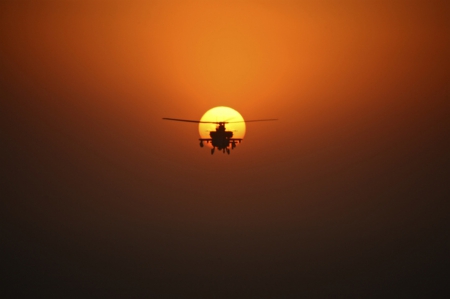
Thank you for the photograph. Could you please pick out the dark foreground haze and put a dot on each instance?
(345, 196)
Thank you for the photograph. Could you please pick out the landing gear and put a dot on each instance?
(212, 150)
(228, 151)
(201, 143)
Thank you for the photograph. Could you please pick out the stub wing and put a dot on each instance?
(231, 142)
(207, 140)
(236, 139)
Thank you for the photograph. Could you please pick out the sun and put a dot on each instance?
(222, 113)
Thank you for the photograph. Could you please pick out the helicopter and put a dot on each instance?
(220, 138)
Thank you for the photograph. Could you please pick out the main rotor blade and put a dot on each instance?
(191, 121)
(253, 120)
(217, 122)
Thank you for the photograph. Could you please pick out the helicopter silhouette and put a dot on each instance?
(220, 138)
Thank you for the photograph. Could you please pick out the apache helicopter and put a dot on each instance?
(221, 138)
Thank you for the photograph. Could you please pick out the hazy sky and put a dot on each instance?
(345, 196)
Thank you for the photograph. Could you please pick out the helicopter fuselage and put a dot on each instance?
(221, 139)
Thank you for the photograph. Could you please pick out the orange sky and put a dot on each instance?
(309, 63)
(360, 88)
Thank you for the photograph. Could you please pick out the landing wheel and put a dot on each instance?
(228, 151)
(212, 151)
(201, 143)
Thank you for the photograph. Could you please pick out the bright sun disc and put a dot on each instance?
(225, 114)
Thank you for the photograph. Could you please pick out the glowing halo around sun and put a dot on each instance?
(222, 113)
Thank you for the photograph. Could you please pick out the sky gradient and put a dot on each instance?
(346, 195)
